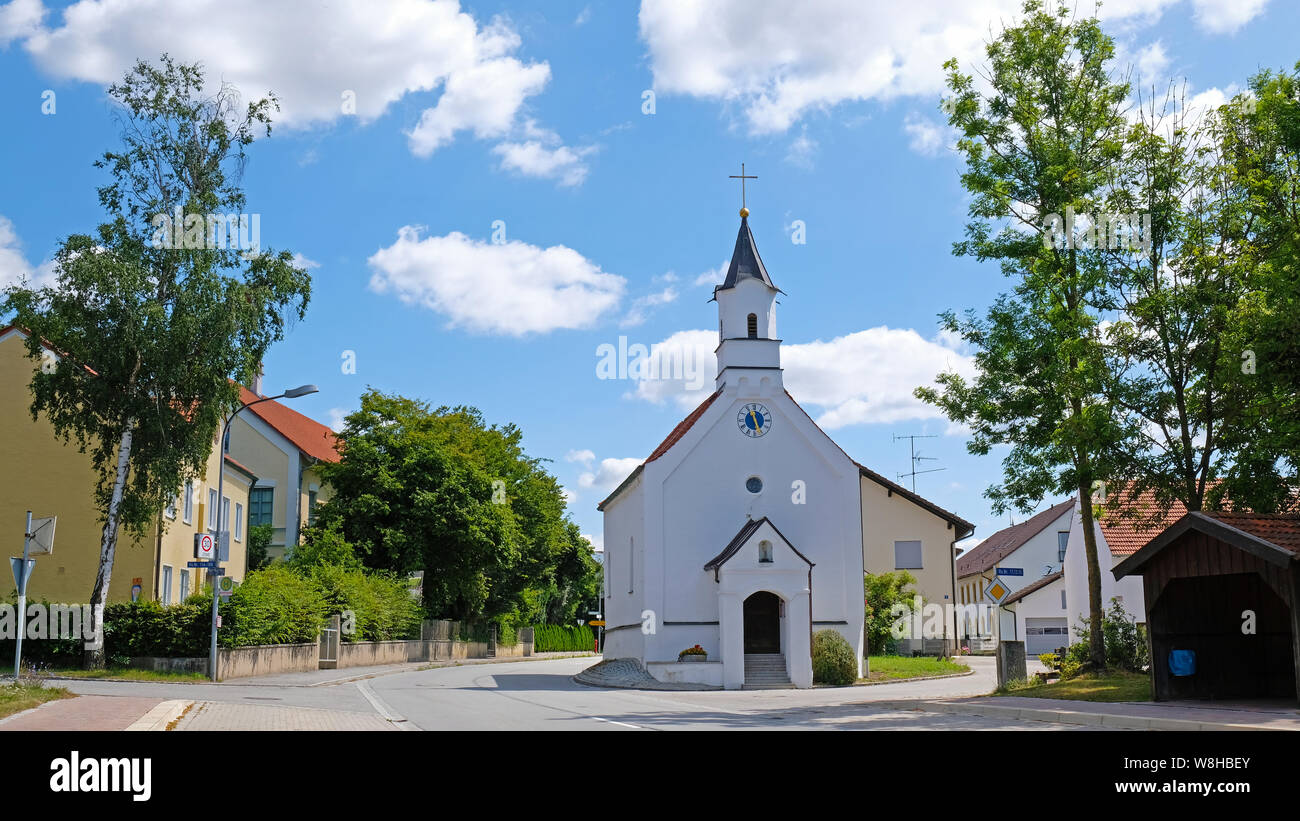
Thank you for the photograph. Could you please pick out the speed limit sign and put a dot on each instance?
(204, 546)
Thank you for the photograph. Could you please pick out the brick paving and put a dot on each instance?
(214, 715)
(83, 713)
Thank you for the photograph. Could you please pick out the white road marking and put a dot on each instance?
(612, 721)
(382, 708)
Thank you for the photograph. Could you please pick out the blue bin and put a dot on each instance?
(1182, 662)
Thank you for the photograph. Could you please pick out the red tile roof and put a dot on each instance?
(1008, 540)
(1280, 529)
(310, 437)
(1136, 521)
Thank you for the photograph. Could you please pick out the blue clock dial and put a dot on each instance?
(754, 420)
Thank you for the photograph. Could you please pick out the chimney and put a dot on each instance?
(257, 380)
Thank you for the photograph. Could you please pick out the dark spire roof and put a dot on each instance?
(745, 261)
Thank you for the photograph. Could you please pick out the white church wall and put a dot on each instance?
(624, 529)
(748, 297)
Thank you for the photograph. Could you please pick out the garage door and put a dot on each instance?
(1045, 636)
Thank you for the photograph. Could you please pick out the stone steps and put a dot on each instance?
(766, 671)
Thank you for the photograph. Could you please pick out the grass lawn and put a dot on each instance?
(126, 674)
(14, 698)
(884, 668)
(1088, 687)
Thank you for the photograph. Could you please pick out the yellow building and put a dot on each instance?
(52, 478)
(284, 449)
(903, 531)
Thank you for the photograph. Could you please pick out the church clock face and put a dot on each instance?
(754, 420)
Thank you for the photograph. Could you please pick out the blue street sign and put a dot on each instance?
(1011, 571)
(209, 564)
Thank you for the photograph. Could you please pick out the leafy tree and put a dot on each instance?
(1261, 145)
(439, 490)
(259, 543)
(883, 591)
(154, 333)
(1042, 144)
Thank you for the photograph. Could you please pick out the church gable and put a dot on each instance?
(758, 543)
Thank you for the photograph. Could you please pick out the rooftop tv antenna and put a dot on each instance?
(917, 458)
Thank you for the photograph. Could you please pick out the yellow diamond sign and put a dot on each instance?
(996, 591)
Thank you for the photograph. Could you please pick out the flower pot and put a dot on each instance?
(693, 657)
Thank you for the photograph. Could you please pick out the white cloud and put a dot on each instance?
(14, 268)
(585, 457)
(337, 418)
(865, 377)
(1226, 16)
(485, 98)
(344, 58)
(643, 305)
(597, 542)
(1152, 63)
(19, 20)
(609, 475)
(583, 16)
(302, 261)
(713, 276)
(868, 377)
(928, 137)
(778, 61)
(569, 496)
(512, 289)
(801, 150)
(533, 159)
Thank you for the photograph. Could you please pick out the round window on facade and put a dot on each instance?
(754, 484)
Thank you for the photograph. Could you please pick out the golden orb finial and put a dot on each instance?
(744, 212)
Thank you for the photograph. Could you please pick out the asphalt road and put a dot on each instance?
(541, 695)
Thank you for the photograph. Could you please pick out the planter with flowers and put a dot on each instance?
(696, 653)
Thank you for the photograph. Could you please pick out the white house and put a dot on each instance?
(1008, 561)
(1035, 614)
(1118, 538)
(742, 531)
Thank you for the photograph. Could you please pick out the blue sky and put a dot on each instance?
(414, 133)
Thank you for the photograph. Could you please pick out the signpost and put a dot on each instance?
(205, 547)
(43, 536)
(1011, 571)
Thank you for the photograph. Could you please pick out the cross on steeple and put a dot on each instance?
(744, 211)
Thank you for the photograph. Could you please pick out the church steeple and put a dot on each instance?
(749, 353)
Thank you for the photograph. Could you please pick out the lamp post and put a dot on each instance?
(292, 393)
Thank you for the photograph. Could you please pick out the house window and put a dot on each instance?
(260, 500)
(166, 584)
(170, 512)
(185, 585)
(187, 504)
(753, 326)
(239, 521)
(212, 510)
(311, 507)
(1062, 540)
(225, 514)
(765, 552)
(907, 555)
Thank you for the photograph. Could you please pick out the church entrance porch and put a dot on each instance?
(763, 623)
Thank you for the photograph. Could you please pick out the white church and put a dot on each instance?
(743, 531)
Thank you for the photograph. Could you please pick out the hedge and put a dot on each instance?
(833, 660)
(555, 638)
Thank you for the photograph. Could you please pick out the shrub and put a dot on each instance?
(882, 592)
(560, 638)
(1126, 645)
(833, 660)
(381, 605)
(274, 605)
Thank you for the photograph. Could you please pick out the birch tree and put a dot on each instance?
(154, 313)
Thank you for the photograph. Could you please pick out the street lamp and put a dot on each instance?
(292, 393)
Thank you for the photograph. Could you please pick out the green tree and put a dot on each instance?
(882, 592)
(1041, 145)
(151, 335)
(1261, 144)
(259, 543)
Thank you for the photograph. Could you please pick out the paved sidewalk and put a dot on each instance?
(212, 715)
(1194, 716)
(321, 678)
(83, 713)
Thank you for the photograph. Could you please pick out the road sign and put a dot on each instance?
(597, 623)
(213, 570)
(212, 563)
(997, 591)
(22, 573)
(42, 536)
(226, 586)
(204, 546)
(1011, 571)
